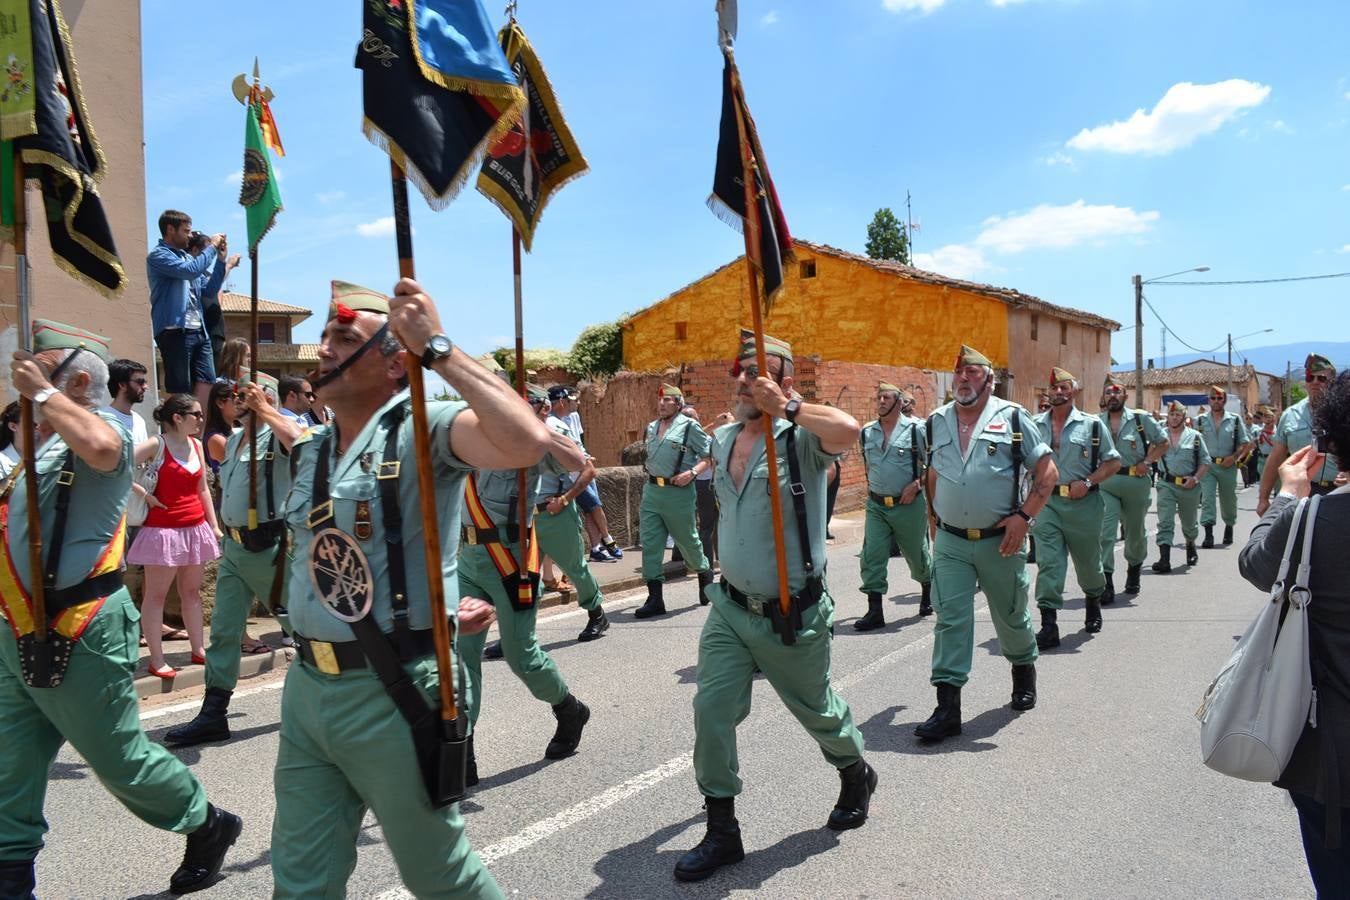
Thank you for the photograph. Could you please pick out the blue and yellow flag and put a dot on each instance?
(437, 89)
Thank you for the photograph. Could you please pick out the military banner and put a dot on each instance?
(258, 192)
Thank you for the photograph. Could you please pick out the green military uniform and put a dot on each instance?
(560, 535)
(1295, 431)
(893, 462)
(1184, 458)
(1128, 494)
(94, 705)
(668, 509)
(1224, 442)
(344, 746)
(1265, 443)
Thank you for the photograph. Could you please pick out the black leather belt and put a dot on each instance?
(1178, 480)
(971, 534)
(256, 540)
(336, 657)
(884, 500)
(58, 601)
(503, 534)
(663, 482)
(1063, 489)
(807, 598)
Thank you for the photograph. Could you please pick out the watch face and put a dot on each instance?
(440, 344)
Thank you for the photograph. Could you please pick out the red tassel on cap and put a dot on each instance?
(345, 314)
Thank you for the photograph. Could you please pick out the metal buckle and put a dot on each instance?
(320, 514)
(65, 478)
(236, 536)
(755, 606)
(268, 457)
(471, 535)
(888, 501)
(1063, 489)
(797, 489)
(660, 482)
(389, 469)
(325, 660)
(1219, 459)
(973, 534)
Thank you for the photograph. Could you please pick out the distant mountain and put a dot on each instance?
(1266, 359)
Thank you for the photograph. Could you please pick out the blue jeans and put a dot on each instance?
(187, 359)
(589, 499)
(1329, 868)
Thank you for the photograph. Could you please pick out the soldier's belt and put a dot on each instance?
(58, 601)
(765, 608)
(256, 540)
(1136, 470)
(659, 481)
(1220, 460)
(884, 500)
(971, 534)
(502, 534)
(1177, 479)
(1063, 490)
(336, 657)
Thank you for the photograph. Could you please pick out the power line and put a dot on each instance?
(1253, 281)
(1170, 330)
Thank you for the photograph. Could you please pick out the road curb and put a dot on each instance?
(250, 666)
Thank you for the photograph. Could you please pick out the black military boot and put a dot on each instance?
(1092, 620)
(1164, 563)
(210, 724)
(1192, 555)
(875, 618)
(206, 849)
(857, 783)
(1132, 579)
(470, 765)
(1208, 542)
(493, 651)
(946, 719)
(596, 625)
(705, 580)
(926, 599)
(572, 716)
(18, 880)
(1109, 595)
(655, 605)
(1048, 637)
(1024, 687)
(721, 844)
(1228, 535)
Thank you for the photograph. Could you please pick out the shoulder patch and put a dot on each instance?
(997, 427)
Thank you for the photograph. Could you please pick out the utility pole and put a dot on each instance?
(1230, 364)
(909, 230)
(1139, 341)
(1288, 391)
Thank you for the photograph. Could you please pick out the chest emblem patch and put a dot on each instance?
(341, 575)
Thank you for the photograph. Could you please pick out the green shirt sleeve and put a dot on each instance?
(1034, 445)
(700, 445)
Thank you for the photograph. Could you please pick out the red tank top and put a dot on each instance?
(177, 489)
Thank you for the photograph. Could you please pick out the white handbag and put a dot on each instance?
(138, 508)
(1254, 711)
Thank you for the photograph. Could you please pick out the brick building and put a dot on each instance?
(1190, 384)
(277, 355)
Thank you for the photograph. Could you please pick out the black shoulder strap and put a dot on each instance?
(928, 433)
(1195, 454)
(862, 448)
(269, 463)
(393, 530)
(1139, 425)
(1017, 458)
(914, 448)
(684, 448)
(64, 480)
(1096, 441)
(798, 491)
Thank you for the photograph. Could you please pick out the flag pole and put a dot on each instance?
(431, 536)
(522, 498)
(27, 423)
(253, 347)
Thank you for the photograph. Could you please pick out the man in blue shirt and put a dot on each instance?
(175, 305)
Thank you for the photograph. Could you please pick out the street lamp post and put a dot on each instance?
(1230, 357)
(1139, 282)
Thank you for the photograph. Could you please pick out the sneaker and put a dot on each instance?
(614, 551)
(599, 555)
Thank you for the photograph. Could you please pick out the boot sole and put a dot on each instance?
(170, 738)
(550, 753)
(648, 615)
(236, 829)
(688, 875)
(858, 626)
(1023, 707)
(950, 732)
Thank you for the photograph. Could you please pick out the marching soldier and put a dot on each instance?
(1179, 471)
(1295, 431)
(1265, 440)
(1225, 434)
(252, 559)
(1071, 523)
(979, 448)
(76, 686)
(1128, 494)
(745, 630)
(354, 515)
(677, 453)
(893, 454)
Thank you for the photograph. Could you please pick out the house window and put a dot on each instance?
(681, 331)
(1035, 325)
(1064, 333)
(807, 268)
(1099, 342)
(267, 332)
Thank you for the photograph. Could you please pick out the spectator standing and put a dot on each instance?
(297, 400)
(175, 305)
(705, 502)
(127, 382)
(603, 546)
(235, 360)
(222, 417)
(207, 291)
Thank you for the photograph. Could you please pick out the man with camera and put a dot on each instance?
(1296, 431)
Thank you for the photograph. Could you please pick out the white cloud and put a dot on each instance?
(1281, 126)
(1187, 111)
(923, 6)
(769, 18)
(328, 197)
(235, 178)
(381, 227)
(1060, 159)
(1346, 187)
(1345, 249)
(1044, 227)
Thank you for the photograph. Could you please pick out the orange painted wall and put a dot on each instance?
(847, 311)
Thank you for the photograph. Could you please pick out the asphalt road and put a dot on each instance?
(1098, 792)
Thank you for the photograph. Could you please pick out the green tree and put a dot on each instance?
(886, 238)
(1297, 392)
(598, 351)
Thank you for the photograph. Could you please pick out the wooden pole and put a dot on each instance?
(253, 364)
(426, 484)
(523, 504)
(27, 421)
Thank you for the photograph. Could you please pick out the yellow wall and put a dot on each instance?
(849, 311)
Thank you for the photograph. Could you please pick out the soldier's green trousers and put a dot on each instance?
(345, 748)
(959, 567)
(560, 539)
(665, 511)
(1127, 498)
(94, 708)
(733, 645)
(908, 524)
(242, 576)
(1068, 529)
(1174, 500)
(1223, 482)
(1261, 472)
(478, 577)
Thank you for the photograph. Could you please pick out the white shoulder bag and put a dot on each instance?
(147, 476)
(1254, 711)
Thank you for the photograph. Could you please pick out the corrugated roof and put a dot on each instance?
(236, 304)
(288, 353)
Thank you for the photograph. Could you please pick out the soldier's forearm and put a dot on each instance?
(837, 430)
(1047, 475)
(1105, 471)
(503, 431)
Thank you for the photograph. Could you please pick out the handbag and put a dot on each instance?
(1254, 711)
(147, 477)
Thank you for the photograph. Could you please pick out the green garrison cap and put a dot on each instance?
(1058, 375)
(1113, 379)
(971, 357)
(772, 347)
(906, 398)
(535, 394)
(50, 335)
(1176, 406)
(1316, 362)
(1265, 410)
(669, 390)
(348, 299)
(1215, 389)
(884, 386)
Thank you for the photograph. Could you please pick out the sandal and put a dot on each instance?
(166, 672)
(144, 643)
(198, 660)
(562, 586)
(253, 645)
(174, 634)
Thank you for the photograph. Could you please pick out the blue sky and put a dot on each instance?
(1053, 146)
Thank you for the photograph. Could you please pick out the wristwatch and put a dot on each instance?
(44, 395)
(438, 347)
(790, 411)
(1031, 520)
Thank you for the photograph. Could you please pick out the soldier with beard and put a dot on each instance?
(1226, 438)
(1295, 431)
(1127, 495)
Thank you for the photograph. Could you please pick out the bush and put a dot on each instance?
(598, 351)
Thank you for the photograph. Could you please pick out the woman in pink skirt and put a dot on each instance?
(180, 534)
